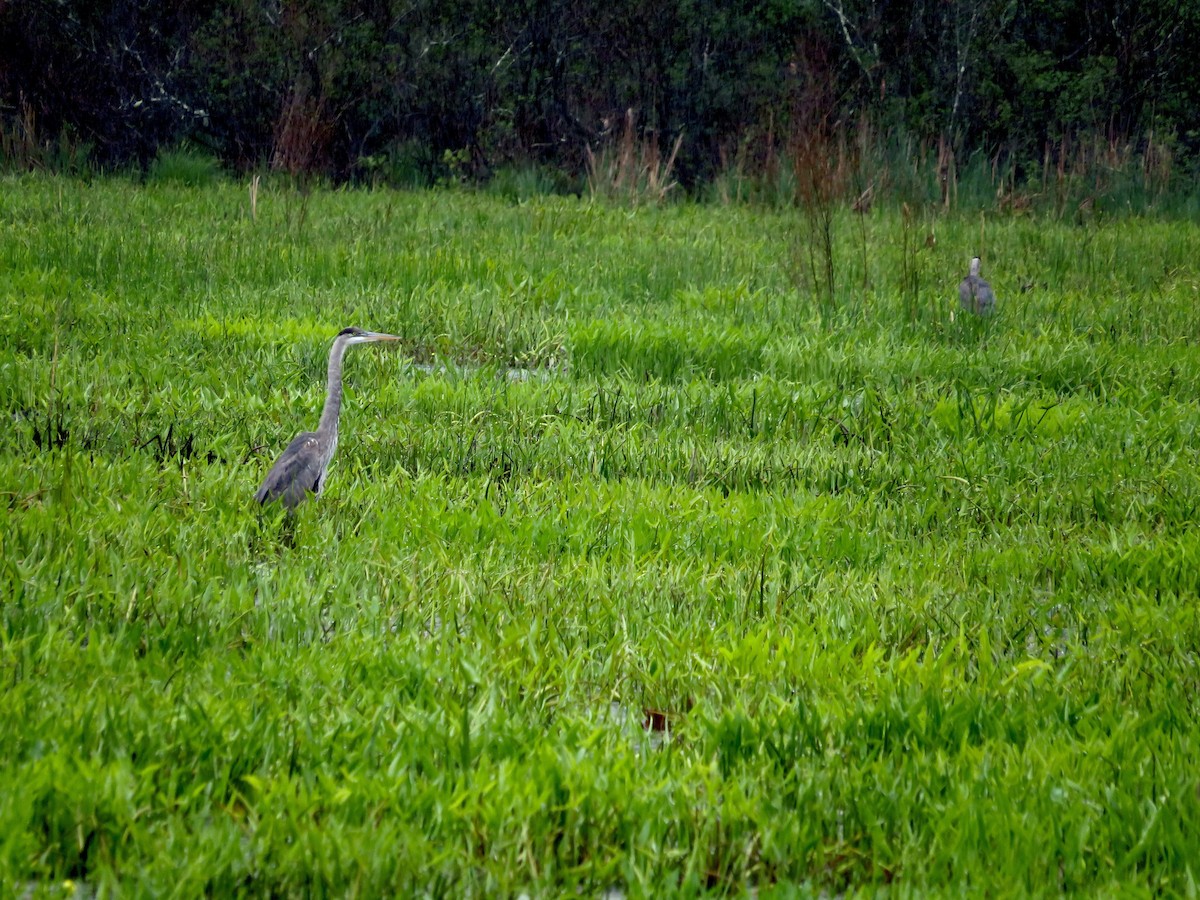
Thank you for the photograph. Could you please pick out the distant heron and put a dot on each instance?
(302, 466)
(975, 294)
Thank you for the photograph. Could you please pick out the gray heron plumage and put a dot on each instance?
(975, 294)
(301, 468)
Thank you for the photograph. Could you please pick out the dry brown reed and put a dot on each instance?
(19, 146)
(630, 167)
(302, 134)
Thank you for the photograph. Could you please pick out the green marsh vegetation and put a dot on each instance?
(646, 563)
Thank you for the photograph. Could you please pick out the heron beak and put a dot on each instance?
(378, 336)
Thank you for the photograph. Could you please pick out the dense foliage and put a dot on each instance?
(410, 89)
(637, 569)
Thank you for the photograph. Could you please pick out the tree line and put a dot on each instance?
(424, 87)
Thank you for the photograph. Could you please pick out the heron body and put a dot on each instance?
(975, 294)
(300, 469)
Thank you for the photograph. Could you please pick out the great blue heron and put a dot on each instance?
(301, 467)
(975, 294)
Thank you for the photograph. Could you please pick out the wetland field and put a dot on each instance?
(667, 553)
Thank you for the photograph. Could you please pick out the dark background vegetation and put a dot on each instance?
(410, 91)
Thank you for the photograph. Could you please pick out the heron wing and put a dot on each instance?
(985, 299)
(966, 292)
(297, 472)
(976, 295)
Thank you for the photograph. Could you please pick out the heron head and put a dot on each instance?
(359, 336)
(975, 266)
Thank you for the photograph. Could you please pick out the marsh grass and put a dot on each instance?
(629, 167)
(915, 601)
(184, 165)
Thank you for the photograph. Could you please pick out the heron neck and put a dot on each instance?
(333, 399)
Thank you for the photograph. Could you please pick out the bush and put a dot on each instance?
(184, 165)
(517, 183)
